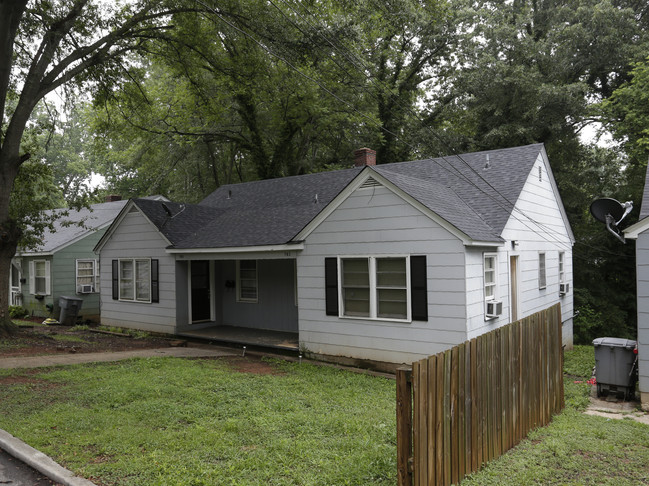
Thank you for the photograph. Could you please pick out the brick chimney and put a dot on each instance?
(364, 156)
(113, 198)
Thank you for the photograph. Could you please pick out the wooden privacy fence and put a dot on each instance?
(470, 404)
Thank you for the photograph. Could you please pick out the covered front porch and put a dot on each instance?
(247, 336)
(250, 300)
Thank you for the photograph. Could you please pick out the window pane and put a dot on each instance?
(39, 283)
(392, 303)
(85, 272)
(15, 276)
(356, 287)
(39, 269)
(356, 272)
(143, 280)
(247, 283)
(542, 270)
(126, 280)
(357, 301)
(391, 272)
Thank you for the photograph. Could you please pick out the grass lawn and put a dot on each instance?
(192, 422)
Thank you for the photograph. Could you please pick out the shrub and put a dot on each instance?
(18, 312)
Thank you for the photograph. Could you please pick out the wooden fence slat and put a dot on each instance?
(404, 426)
(475, 463)
(461, 407)
(440, 453)
(455, 451)
(431, 398)
(422, 413)
(447, 419)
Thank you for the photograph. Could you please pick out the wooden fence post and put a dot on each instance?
(404, 426)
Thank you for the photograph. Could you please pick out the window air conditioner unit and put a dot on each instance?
(564, 288)
(494, 308)
(86, 289)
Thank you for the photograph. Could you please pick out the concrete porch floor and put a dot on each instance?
(246, 336)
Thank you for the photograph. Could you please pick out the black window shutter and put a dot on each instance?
(419, 288)
(331, 286)
(155, 287)
(115, 279)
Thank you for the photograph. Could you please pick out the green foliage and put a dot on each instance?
(626, 114)
(579, 361)
(17, 312)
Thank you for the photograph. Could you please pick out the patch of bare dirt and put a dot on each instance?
(251, 364)
(56, 339)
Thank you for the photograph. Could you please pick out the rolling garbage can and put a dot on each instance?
(69, 310)
(615, 366)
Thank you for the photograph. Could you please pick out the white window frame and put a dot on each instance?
(134, 262)
(562, 267)
(374, 288)
(240, 298)
(94, 277)
(543, 273)
(494, 285)
(46, 277)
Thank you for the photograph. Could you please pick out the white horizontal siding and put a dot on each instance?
(135, 237)
(374, 223)
(536, 225)
(642, 276)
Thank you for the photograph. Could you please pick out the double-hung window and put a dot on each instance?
(562, 272)
(135, 279)
(489, 276)
(39, 277)
(87, 276)
(542, 276)
(375, 287)
(247, 285)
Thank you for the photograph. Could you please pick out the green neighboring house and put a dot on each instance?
(64, 264)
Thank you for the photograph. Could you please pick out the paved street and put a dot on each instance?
(14, 473)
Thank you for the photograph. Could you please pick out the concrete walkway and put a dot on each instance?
(45, 464)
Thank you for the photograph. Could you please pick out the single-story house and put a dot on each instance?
(64, 264)
(388, 263)
(640, 233)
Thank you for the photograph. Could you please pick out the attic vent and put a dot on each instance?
(370, 182)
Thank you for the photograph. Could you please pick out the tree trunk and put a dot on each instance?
(9, 237)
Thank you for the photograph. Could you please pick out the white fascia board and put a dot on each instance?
(358, 181)
(118, 220)
(555, 189)
(633, 231)
(27, 254)
(238, 249)
(489, 244)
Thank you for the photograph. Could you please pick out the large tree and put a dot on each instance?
(46, 46)
(534, 71)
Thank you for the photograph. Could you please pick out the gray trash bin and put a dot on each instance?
(615, 366)
(69, 309)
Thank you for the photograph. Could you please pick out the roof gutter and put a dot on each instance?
(240, 249)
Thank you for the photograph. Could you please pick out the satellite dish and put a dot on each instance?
(611, 213)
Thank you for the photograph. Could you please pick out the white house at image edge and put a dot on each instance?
(389, 263)
(640, 233)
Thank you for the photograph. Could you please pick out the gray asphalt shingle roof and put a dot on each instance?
(459, 189)
(67, 228)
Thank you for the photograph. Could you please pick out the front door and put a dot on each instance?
(201, 295)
